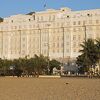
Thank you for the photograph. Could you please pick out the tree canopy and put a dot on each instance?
(90, 53)
(37, 64)
(1, 19)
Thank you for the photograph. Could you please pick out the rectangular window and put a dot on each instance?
(74, 45)
(79, 22)
(67, 43)
(79, 37)
(58, 38)
(53, 51)
(53, 17)
(84, 22)
(67, 37)
(49, 18)
(97, 21)
(23, 39)
(74, 37)
(74, 30)
(74, 23)
(61, 44)
(53, 44)
(67, 50)
(57, 45)
(23, 45)
(58, 24)
(37, 18)
(74, 50)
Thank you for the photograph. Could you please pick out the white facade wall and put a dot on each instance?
(45, 32)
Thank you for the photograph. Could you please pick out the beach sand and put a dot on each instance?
(12, 88)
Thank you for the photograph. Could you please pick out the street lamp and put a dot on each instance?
(62, 67)
(4, 66)
(48, 49)
(40, 39)
(85, 32)
(63, 46)
(20, 42)
(2, 43)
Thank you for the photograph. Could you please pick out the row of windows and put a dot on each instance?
(54, 51)
(54, 24)
(23, 52)
(22, 20)
(46, 51)
(23, 46)
(50, 18)
(76, 45)
(78, 15)
(76, 23)
(76, 50)
(75, 29)
(86, 22)
(77, 37)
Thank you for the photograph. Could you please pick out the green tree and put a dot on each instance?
(1, 19)
(1, 63)
(88, 55)
(40, 64)
(98, 50)
(54, 63)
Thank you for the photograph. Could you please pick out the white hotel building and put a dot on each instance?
(54, 33)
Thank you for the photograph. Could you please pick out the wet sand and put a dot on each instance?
(12, 88)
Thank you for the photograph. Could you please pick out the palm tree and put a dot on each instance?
(98, 51)
(89, 56)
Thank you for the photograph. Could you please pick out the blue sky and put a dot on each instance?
(12, 7)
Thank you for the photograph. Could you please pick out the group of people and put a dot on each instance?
(20, 73)
(31, 74)
(92, 72)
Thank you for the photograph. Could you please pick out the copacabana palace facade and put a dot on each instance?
(53, 33)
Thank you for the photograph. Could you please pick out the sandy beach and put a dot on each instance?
(12, 88)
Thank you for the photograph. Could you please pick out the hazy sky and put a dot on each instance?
(12, 7)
